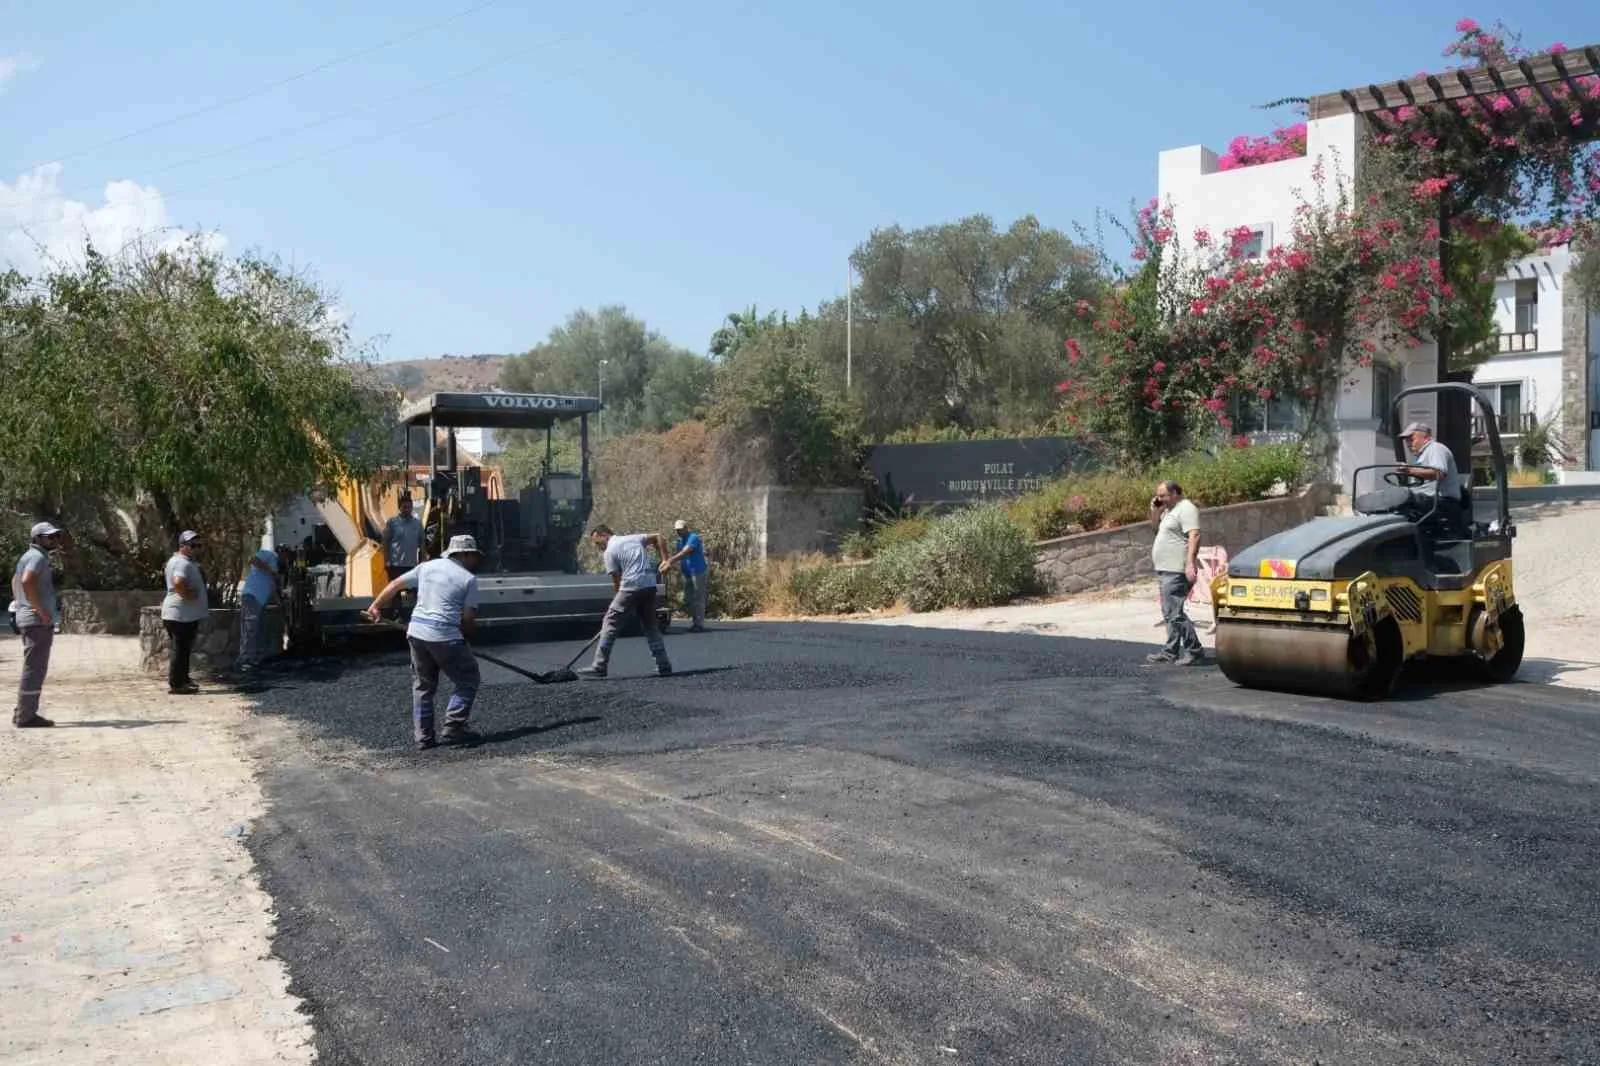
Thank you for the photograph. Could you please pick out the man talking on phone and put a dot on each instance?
(1176, 555)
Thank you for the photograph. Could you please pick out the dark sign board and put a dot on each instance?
(953, 472)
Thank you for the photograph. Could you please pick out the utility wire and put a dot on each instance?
(360, 141)
(334, 62)
(365, 109)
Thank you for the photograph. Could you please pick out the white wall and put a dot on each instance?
(1540, 376)
(1548, 270)
(1266, 197)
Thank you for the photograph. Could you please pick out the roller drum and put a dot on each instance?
(1323, 660)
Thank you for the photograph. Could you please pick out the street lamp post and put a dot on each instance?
(601, 373)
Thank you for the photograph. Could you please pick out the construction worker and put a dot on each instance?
(633, 581)
(446, 614)
(402, 541)
(33, 614)
(182, 611)
(691, 555)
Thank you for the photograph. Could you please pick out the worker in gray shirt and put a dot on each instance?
(402, 545)
(633, 580)
(33, 596)
(184, 608)
(1435, 468)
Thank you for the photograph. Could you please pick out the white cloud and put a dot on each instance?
(11, 66)
(40, 225)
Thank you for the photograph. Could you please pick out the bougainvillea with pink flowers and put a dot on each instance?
(1196, 325)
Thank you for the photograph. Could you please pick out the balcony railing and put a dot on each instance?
(1510, 425)
(1524, 341)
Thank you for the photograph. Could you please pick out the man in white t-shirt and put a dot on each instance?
(633, 580)
(446, 614)
(1175, 555)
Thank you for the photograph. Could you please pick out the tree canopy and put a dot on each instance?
(211, 388)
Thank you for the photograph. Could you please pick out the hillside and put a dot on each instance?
(450, 373)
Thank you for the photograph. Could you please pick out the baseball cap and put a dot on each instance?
(44, 529)
(188, 536)
(1417, 427)
(680, 524)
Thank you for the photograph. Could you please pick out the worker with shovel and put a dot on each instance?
(446, 614)
(633, 579)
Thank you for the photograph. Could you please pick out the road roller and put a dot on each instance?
(1338, 606)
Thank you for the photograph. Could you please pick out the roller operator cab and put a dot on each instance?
(1339, 605)
(529, 535)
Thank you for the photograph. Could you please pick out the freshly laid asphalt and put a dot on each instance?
(838, 844)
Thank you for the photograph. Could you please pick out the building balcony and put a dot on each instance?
(1510, 425)
(1525, 341)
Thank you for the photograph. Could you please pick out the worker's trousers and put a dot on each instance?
(694, 597)
(631, 601)
(1181, 635)
(36, 642)
(429, 659)
(250, 615)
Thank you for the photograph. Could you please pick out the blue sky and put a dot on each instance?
(685, 160)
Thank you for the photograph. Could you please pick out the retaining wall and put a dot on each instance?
(1112, 558)
(115, 612)
(217, 644)
(801, 521)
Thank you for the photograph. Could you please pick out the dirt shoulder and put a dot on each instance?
(132, 925)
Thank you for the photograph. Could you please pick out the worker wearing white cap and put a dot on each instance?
(33, 604)
(1435, 468)
(184, 608)
(691, 553)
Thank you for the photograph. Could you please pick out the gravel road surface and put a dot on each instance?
(848, 844)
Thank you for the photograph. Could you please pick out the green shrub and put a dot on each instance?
(834, 588)
(979, 557)
(1103, 501)
(736, 592)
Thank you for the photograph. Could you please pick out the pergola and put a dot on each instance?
(1538, 74)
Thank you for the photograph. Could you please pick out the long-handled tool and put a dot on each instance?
(553, 677)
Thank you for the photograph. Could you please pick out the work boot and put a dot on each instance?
(1188, 658)
(459, 734)
(188, 688)
(592, 671)
(663, 669)
(1159, 657)
(38, 721)
(426, 743)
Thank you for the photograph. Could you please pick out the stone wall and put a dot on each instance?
(1113, 558)
(216, 646)
(800, 521)
(115, 613)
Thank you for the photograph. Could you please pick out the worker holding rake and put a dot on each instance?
(445, 615)
(634, 580)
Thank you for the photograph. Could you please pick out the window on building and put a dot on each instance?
(1508, 406)
(1277, 415)
(1527, 305)
(1387, 381)
(1256, 245)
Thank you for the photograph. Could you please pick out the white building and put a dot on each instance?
(1536, 360)
(1545, 366)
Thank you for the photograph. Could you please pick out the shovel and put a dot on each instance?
(554, 677)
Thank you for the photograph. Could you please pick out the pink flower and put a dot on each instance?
(1074, 353)
(1466, 26)
(1556, 49)
(1158, 368)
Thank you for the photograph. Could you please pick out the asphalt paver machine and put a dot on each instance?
(1339, 605)
(529, 535)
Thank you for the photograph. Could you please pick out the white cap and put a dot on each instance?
(465, 544)
(44, 529)
(188, 536)
(680, 524)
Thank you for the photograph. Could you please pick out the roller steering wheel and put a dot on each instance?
(1402, 480)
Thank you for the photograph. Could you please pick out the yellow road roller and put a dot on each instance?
(1338, 606)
